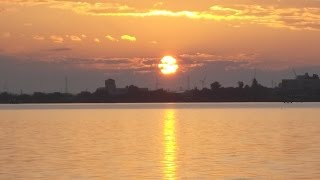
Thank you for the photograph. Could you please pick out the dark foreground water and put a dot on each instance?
(160, 141)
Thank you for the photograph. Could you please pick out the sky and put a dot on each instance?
(88, 41)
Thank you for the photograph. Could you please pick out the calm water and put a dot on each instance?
(160, 141)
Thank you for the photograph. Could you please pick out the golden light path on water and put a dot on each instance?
(170, 145)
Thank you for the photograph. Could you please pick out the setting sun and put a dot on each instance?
(168, 65)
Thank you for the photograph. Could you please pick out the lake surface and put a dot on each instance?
(232, 141)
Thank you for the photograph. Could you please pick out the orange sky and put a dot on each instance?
(124, 35)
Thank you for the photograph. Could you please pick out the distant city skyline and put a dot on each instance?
(89, 41)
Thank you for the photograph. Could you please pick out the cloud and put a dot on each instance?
(110, 38)
(39, 38)
(75, 38)
(154, 42)
(85, 7)
(273, 16)
(229, 61)
(294, 16)
(96, 40)
(57, 39)
(60, 49)
(115, 61)
(158, 4)
(109, 64)
(240, 61)
(128, 38)
(219, 57)
(95, 61)
(305, 18)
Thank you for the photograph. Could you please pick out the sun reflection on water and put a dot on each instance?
(169, 132)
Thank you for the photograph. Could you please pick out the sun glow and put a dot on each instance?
(168, 65)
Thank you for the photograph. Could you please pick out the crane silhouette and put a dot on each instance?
(294, 72)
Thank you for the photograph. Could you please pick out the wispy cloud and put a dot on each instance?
(307, 18)
(39, 38)
(219, 57)
(154, 42)
(56, 39)
(187, 62)
(128, 38)
(88, 7)
(238, 60)
(158, 4)
(96, 40)
(291, 17)
(75, 38)
(110, 38)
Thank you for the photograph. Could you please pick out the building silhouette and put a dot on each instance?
(301, 82)
(111, 88)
